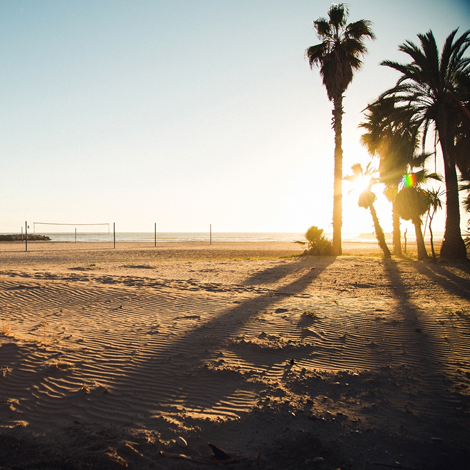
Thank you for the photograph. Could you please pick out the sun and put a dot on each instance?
(357, 219)
(357, 185)
(361, 184)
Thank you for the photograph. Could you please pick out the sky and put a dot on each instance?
(187, 113)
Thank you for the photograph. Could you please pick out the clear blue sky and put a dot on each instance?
(185, 113)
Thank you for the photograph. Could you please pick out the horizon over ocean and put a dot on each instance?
(148, 237)
(174, 236)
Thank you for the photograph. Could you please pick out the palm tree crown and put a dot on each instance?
(338, 56)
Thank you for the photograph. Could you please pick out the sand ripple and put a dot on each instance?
(153, 351)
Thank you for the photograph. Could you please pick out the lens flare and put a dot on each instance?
(409, 180)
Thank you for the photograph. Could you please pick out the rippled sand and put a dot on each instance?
(111, 354)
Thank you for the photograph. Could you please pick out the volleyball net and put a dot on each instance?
(103, 227)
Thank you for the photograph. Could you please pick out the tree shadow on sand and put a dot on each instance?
(274, 274)
(454, 281)
(185, 386)
(395, 404)
(424, 348)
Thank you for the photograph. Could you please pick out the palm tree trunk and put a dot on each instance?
(453, 246)
(396, 232)
(338, 175)
(432, 240)
(379, 233)
(422, 253)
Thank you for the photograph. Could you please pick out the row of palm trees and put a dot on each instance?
(432, 93)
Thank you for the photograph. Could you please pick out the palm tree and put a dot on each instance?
(412, 201)
(338, 56)
(430, 91)
(395, 146)
(367, 199)
(435, 203)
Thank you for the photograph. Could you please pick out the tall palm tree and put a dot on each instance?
(462, 146)
(366, 200)
(430, 91)
(338, 56)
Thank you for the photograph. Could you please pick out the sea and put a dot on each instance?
(169, 237)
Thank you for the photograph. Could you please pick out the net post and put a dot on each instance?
(114, 234)
(155, 229)
(26, 234)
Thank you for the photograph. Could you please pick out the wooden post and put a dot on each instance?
(155, 234)
(114, 234)
(210, 234)
(26, 234)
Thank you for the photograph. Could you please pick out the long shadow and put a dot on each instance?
(271, 275)
(441, 275)
(423, 356)
(187, 386)
(406, 308)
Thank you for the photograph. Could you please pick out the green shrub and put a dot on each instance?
(317, 244)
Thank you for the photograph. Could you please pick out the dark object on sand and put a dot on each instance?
(218, 453)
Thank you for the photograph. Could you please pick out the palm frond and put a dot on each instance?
(315, 54)
(322, 28)
(360, 29)
(338, 14)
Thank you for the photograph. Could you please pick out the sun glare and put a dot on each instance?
(361, 184)
(358, 220)
(358, 185)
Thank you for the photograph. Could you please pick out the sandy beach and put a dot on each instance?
(138, 357)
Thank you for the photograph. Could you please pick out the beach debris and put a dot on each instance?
(218, 456)
(219, 453)
(185, 457)
(181, 442)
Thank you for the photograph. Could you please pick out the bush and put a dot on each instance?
(317, 244)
